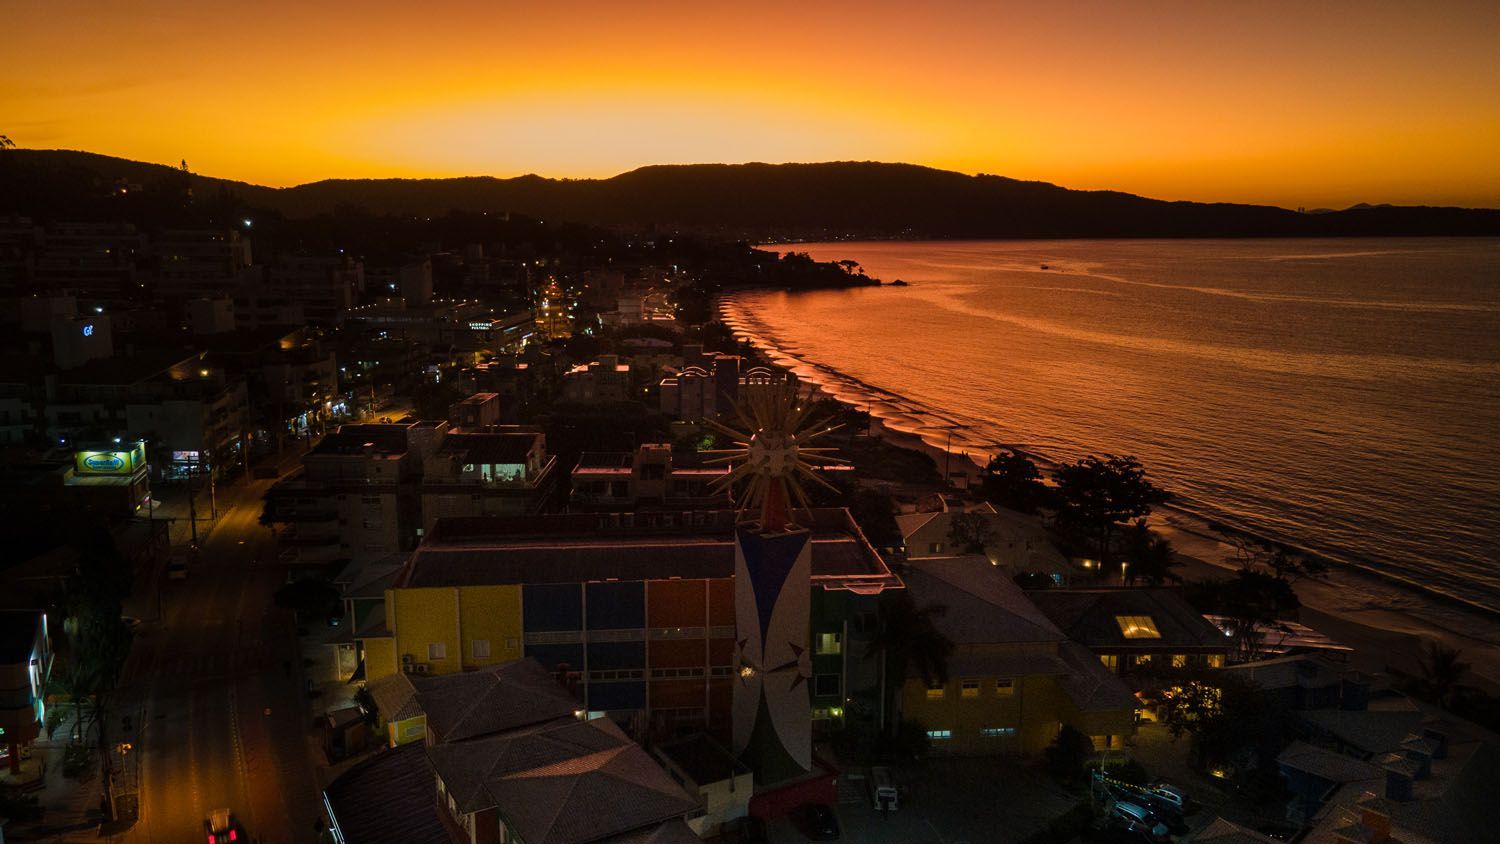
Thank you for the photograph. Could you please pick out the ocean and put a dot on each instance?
(1342, 396)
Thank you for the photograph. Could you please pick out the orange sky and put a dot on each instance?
(1310, 103)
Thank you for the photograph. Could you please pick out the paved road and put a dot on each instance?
(199, 683)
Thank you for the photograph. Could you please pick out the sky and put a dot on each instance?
(1313, 103)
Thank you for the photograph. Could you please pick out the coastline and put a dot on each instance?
(1384, 619)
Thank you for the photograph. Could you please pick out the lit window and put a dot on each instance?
(1111, 661)
(997, 732)
(481, 648)
(437, 650)
(829, 644)
(1215, 660)
(1179, 660)
(1005, 687)
(969, 688)
(935, 692)
(940, 735)
(1137, 627)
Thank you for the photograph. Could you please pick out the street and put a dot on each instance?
(214, 692)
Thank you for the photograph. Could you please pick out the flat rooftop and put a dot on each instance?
(581, 547)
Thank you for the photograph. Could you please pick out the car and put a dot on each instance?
(818, 822)
(1171, 794)
(222, 827)
(1136, 818)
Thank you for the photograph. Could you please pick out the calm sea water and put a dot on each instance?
(1341, 395)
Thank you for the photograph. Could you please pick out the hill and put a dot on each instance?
(758, 201)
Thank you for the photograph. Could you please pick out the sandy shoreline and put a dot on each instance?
(1385, 623)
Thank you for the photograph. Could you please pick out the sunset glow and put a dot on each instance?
(1287, 103)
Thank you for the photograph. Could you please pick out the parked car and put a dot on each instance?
(1169, 793)
(1133, 817)
(818, 822)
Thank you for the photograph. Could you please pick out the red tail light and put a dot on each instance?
(233, 835)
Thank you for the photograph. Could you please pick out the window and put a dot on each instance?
(997, 732)
(935, 692)
(968, 687)
(826, 685)
(940, 735)
(1214, 660)
(1179, 660)
(1005, 687)
(437, 650)
(512, 644)
(829, 644)
(1137, 627)
(481, 648)
(1111, 661)
(935, 548)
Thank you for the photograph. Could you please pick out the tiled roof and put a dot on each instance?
(1370, 730)
(984, 605)
(388, 797)
(1089, 616)
(395, 697)
(1090, 685)
(505, 697)
(1224, 832)
(1326, 764)
(671, 832)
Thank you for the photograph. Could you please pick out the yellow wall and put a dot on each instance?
(491, 613)
(1035, 707)
(405, 732)
(380, 658)
(456, 617)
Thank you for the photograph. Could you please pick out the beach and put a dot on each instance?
(1385, 623)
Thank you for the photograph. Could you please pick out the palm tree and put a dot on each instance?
(908, 638)
(1439, 676)
(6, 143)
(1151, 557)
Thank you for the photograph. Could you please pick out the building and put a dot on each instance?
(1014, 678)
(603, 380)
(506, 758)
(652, 476)
(25, 666)
(496, 471)
(356, 496)
(325, 285)
(707, 770)
(1014, 541)
(96, 259)
(635, 609)
(200, 263)
(1135, 628)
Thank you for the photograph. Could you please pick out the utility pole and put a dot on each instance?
(192, 508)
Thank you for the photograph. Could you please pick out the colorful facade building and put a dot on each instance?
(636, 612)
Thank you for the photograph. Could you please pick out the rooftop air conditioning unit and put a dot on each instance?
(421, 668)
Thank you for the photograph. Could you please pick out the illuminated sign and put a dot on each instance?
(481, 326)
(112, 462)
(185, 457)
(88, 330)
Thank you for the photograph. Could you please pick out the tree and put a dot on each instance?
(1151, 557)
(1252, 603)
(1067, 755)
(1099, 494)
(1012, 480)
(1439, 677)
(908, 638)
(6, 143)
(971, 533)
